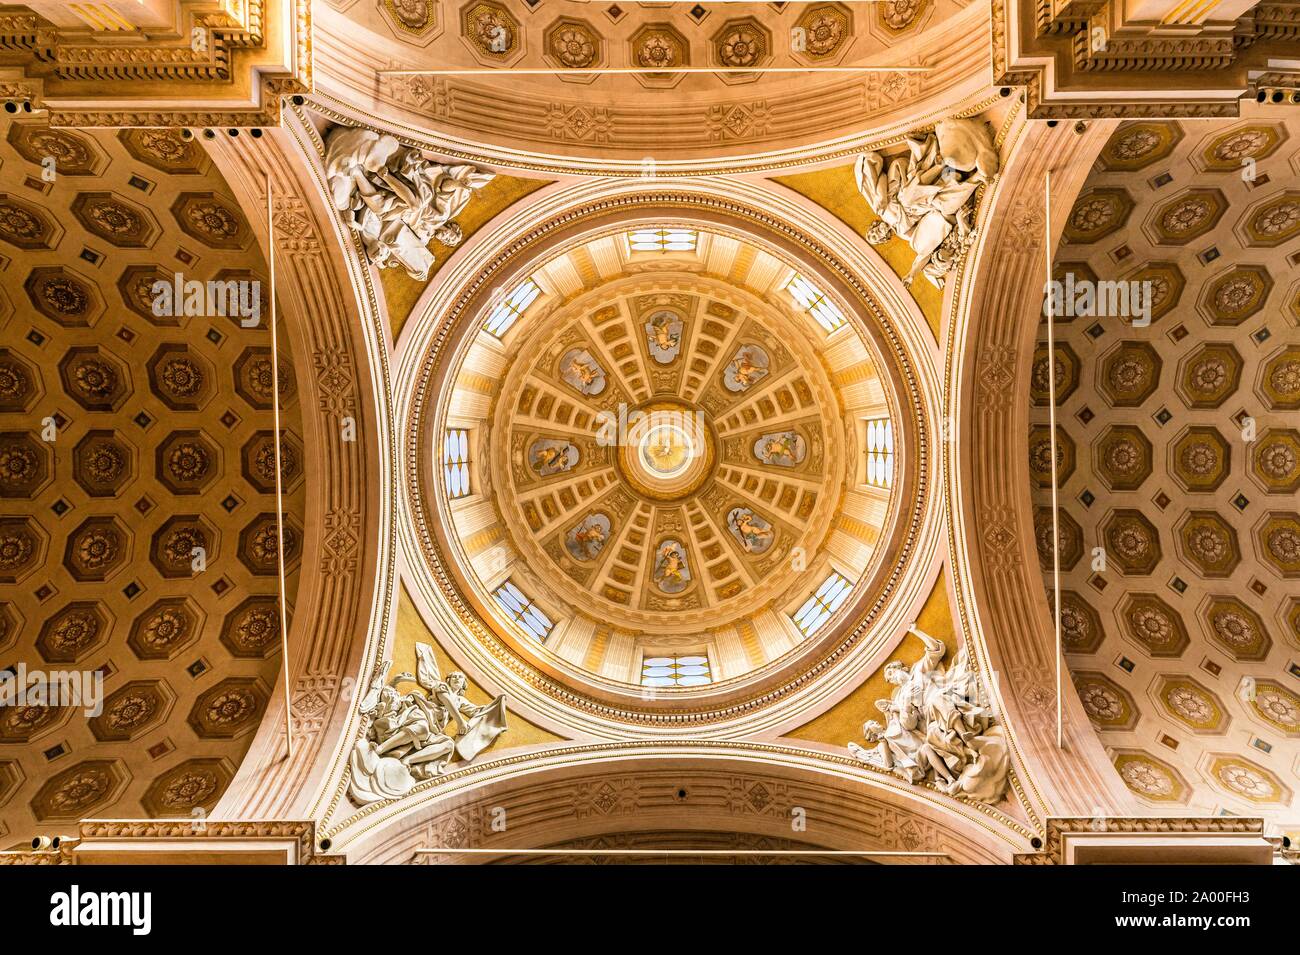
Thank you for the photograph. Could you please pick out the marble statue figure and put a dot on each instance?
(926, 196)
(395, 198)
(410, 737)
(938, 727)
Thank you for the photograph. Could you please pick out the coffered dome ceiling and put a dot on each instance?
(734, 455)
(129, 442)
(664, 453)
(1179, 459)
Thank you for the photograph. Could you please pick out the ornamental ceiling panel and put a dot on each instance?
(136, 478)
(720, 60)
(1105, 58)
(1178, 465)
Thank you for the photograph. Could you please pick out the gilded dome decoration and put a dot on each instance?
(669, 457)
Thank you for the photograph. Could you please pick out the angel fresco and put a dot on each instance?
(664, 336)
(748, 367)
(581, 372)
(405, 737)
(783, 449)
(753, 532)
(547, 456)
(587, 538)
(672, 573)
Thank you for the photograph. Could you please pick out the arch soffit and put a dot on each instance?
(1001, 604)
(328, 309)
(348, 58)
(594, 790)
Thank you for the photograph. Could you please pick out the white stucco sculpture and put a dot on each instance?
(926, 196)
(395, 198)
(939, 727)
(405, 737)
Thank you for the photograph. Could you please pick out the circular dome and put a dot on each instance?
(666, 460)
(669, 449)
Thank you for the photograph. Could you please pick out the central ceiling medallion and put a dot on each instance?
(666, 449)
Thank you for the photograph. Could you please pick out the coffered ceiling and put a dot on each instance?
(1179, 463)
(132, 444)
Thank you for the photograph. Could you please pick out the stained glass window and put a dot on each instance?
(815, 302)
(690, 669)
(818, 608)
(662, 240)
(523, 611)
(512, 307)
(880, 452)
(455, 462)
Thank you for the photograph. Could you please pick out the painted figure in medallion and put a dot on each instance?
(753, 532)
(587, 538)
(781, 448)
(548, 456)
(582, 372)
(672, 573)
(664, 336)
(748, 367)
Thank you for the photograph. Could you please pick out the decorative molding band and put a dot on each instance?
(791, 777)
(1065, 53)
(239, 67)
(124, 841)
(343, 602)
(1059, 830)
(436, 139)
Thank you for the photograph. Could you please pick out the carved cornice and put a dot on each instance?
(1148, 53)
(1082, 60)
(1058, 829)
(1277, 21)
(235, 66)
(301, 834)
(122, 837)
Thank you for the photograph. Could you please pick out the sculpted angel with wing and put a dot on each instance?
(406, 736)
(940, 727)
(396, 198)
(926, 196)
